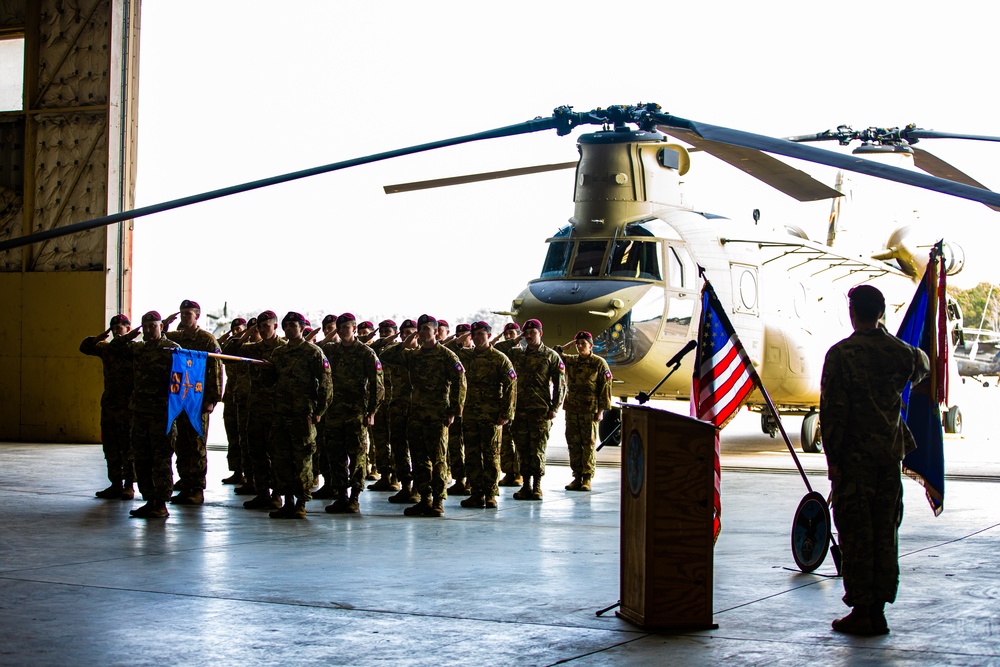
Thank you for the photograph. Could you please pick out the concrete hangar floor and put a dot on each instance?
(83, 584)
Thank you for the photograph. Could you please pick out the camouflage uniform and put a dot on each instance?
(380, 432)
(490, 395)
(437, 392)
(152, 442)
(260, 408)
(192, 454)
(302, 390)
(588, 394)
(116, 417)
(456, 444)
(865, 437)
(541, 388)
(509, 465)
(235, 413)
(358, 391)
(398, 396)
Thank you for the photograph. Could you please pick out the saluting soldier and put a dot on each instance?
(192, 453)
(261, 407)
(357, 393)
(234, 410)
(541, 388)
(508, 454)
(489, 404)
(399, 412)
(116, 417)
(152, 440)
(462, 340)
(321, 459)
(302, 390)
(437, 393)
(588, 395)
(380, 434)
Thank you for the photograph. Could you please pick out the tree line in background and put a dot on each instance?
(983, 298)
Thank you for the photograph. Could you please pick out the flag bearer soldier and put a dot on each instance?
(588, 395)
(437, 381)
(152, 440)
(508, 455)
(192, 454)
(234, 411)
(302, 391)
(456, 447)
(116, 417)
(541, 387)
(399, 413)
(865, 439)
(380, 435)
(489, 404)
(357, 393)
(261, 406)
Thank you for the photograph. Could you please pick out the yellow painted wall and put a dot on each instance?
(49, 391)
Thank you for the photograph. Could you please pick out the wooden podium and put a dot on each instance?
(666, 520)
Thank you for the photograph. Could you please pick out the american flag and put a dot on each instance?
(723, 380)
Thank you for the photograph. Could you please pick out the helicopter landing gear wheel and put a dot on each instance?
(612, 419)
(811, 438)
(768, 424)
(953, 420)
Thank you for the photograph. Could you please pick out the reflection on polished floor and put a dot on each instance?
(83, 584)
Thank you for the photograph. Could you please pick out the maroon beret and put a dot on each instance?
(151, 316)
(292, 316)
(428, 319)
(584, 335)
(120, 318)
(346, 317)
(386, 323)
(266, 315)
(329, 319)
(443, 323)
(408, 324)
(366, 325)
(532, 324)
(188, 303)
(480, 325)
(512, 326)
(461, 328)
(237, 322)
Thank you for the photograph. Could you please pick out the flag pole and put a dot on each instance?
(229, 357)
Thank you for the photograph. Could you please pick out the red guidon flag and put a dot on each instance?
(723, 378)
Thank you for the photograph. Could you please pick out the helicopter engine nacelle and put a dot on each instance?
(912, 253)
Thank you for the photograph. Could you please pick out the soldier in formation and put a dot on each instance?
(508, 454)
(588, 395)
(234, 411)
(116, 417)
(541, 388)
(379, 431)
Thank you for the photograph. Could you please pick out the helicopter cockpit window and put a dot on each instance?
(680, 268)
(557, 259)
(588, 258)
(635, 259)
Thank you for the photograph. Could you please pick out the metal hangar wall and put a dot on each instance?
(67, 154)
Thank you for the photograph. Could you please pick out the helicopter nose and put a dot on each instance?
(569, 292)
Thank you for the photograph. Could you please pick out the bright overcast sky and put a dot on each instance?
(232, 91)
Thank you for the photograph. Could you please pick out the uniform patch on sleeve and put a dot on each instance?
(378, 365)
(607, 374)
(458, 367)
(512, 374)
(562, 366)
(326, 363)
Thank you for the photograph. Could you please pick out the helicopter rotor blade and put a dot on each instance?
(772, 171)
(475, 178)
(916, 133)
(935, 166)
(820, 156)
(561, 120)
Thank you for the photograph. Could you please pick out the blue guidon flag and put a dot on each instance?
(187, 387)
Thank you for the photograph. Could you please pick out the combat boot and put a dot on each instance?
(524, 493)
(262, 501)
(394, 484)
(575, 484)
(141, 512)
(189, 497)
(112, 492)
(286, 512)
(128, 491)
(475, 500)
(585, 483)
(178, 485)
(299, 511)
(338, 506)
(490, 503)
(325, 492)
(352, 505)
(383, 484)
(405, 495)
(880, 626)
(511, 479)
(858, 622)
(236, 478)
(422, 506)
(436, 508)
(154, 509)
(247, 489)
(536, 489)
(459, 488)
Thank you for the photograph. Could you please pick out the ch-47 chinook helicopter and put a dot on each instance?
(626, 265)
